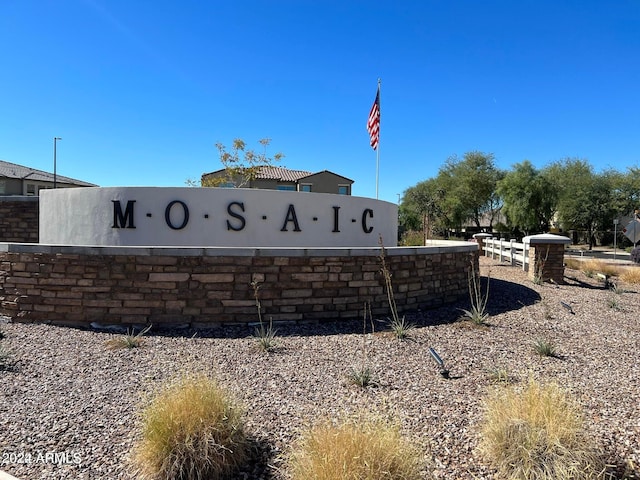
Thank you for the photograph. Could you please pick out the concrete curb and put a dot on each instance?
(6, 476)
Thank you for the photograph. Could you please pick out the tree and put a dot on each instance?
(240, 164)
(529, 198)
(584, 198)
(626, 191)
(421, 207)
(469, 187)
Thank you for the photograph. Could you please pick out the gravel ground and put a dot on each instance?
(69, 407)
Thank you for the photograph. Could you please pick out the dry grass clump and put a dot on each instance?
(572, 263)
(598, 266)
(354, 450)
(536, 434)
(191, 430)
(630, 275)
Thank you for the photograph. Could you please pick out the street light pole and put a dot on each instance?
(55, 177)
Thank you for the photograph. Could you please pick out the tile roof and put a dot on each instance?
(13, 170)
(280, 173)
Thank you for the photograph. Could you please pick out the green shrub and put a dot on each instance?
(266, 338)
(401, 328)
(537, 434)
(129, 340)
(412, 238)
(544, 347)
(191, 430)
(363, 376)
(354, 450)
(500, 375)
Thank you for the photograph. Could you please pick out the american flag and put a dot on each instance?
(373, 124)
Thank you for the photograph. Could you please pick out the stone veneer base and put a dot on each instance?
(205, 287)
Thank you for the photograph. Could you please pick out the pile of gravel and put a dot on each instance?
(69, 406)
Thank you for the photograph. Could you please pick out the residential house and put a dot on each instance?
(279, 178)
(20, 180)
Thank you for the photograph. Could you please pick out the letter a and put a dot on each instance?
(291, 217)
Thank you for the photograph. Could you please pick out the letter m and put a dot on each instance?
(123, 219)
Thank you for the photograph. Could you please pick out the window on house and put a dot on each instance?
(227, 185)
(343, 189)
(3, 187)
(305, 187)
(287, 187)
(31, 189)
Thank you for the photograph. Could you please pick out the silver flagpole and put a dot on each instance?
(378, 149)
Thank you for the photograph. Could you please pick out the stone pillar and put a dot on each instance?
(546, 256)
(480, 238)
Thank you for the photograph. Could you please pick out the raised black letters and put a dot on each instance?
(185, 218)
(120, 219)
(335, 220)
(236, 228)
(367, 213)
(291, 217)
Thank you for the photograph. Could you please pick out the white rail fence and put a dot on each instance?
(507, 251)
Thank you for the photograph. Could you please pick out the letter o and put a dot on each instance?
(167, 215)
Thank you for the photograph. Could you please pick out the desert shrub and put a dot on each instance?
(363, 376)
(191, 430)
(544, 347)
(128, 340)
(266, 337)
(478, 311)
(630, 275)
(401, 328)
(412, 238)
(354, 450)
(635, 255)
(614, 304)
(537, 434)
(501, 375)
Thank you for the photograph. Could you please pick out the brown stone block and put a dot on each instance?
(129, 311)
(58, 281)
(15, 280)
(297, 293)
(213, 277)
(156, 260)
(364, 283)
(219, 294)
(168, 277)
(238, 303)
(309, 277)
(102, 303)
(155, 285)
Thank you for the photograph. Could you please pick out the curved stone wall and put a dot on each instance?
(200, 287)
(18, 219)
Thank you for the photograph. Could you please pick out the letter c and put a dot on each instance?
(367, 213)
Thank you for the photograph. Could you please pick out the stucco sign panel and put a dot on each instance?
(158, 216)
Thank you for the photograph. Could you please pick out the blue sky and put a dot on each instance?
(140, 91)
